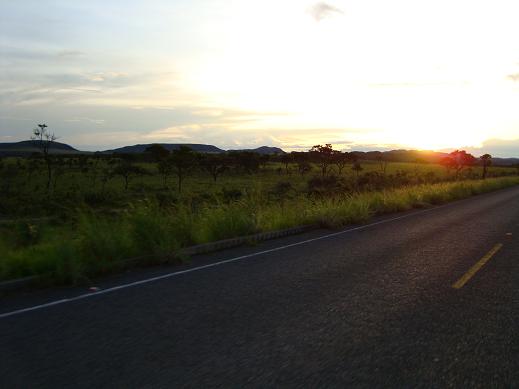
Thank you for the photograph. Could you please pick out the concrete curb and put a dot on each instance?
(235, 242)
(21, 283)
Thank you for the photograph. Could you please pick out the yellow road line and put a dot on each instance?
(474, 269)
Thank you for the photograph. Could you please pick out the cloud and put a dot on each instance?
(89, 120)
(412, 84)
(70, 53)
(16, 118)
(68, 87)
(14, 55)
(322, 10)
(497, 148)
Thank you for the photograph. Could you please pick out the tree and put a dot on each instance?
(157, 152)
(94, 171)
(214, 164)
(486, 161)
(457, 161)
(301, 159)
(182, 161)
(165, 167)
(248, 161)
(382, 162)
(357, 168)
(286, 159)
(44, 140)
(263, 160)
(126, 169)
(340, 160)
(323, 156)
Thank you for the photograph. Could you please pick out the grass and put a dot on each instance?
(91, 244)
(22, 193)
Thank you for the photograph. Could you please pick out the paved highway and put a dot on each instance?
(421, 299)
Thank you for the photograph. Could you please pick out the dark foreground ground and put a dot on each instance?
(372, 307)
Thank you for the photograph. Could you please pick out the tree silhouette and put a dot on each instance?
(127, 169)
(357, 168)
(457, 161)
(248, 161)
(94, 171)
(340, 159)
(182, 161)
(44, 140)
(214, 164)
(165, 168)
(301, 159)
(286, 159)
(382, 162)
(157, 152)
(486, 161)
(322, 156)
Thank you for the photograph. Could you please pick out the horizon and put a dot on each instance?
(360, 75)
(477, 152)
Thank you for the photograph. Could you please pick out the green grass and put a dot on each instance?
(23, 193)
(90, 244)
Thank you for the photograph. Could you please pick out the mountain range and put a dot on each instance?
(28, 147)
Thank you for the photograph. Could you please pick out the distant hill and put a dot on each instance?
(264, 150)
(26, 147)
(402, 155)
(505, 161)
(200, 148)
(421, 156)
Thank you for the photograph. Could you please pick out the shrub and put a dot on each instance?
(327, 185)
(225, 221)
(96, 243)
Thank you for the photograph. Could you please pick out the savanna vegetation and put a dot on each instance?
(76, 216)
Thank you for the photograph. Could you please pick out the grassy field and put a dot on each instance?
(98, 223)
(96, 187)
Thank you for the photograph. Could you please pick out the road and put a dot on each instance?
(367, 307)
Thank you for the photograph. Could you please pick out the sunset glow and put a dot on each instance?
(357, 74)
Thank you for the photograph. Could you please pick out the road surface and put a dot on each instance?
(421, 299)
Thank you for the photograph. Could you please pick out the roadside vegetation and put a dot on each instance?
(75, 217)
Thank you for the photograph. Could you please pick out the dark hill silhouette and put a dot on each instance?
(31, 146)
(140, 148)
(424, 156)
(264, 150)
(28, 147)
(402, 155)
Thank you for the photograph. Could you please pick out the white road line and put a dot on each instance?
(177, 273)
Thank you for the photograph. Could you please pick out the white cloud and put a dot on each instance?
(497, 148)
(322, 10)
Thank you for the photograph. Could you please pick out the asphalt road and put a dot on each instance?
(372, 307)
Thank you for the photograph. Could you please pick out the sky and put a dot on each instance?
(360, 74)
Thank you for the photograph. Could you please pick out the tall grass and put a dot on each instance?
(94, 244)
